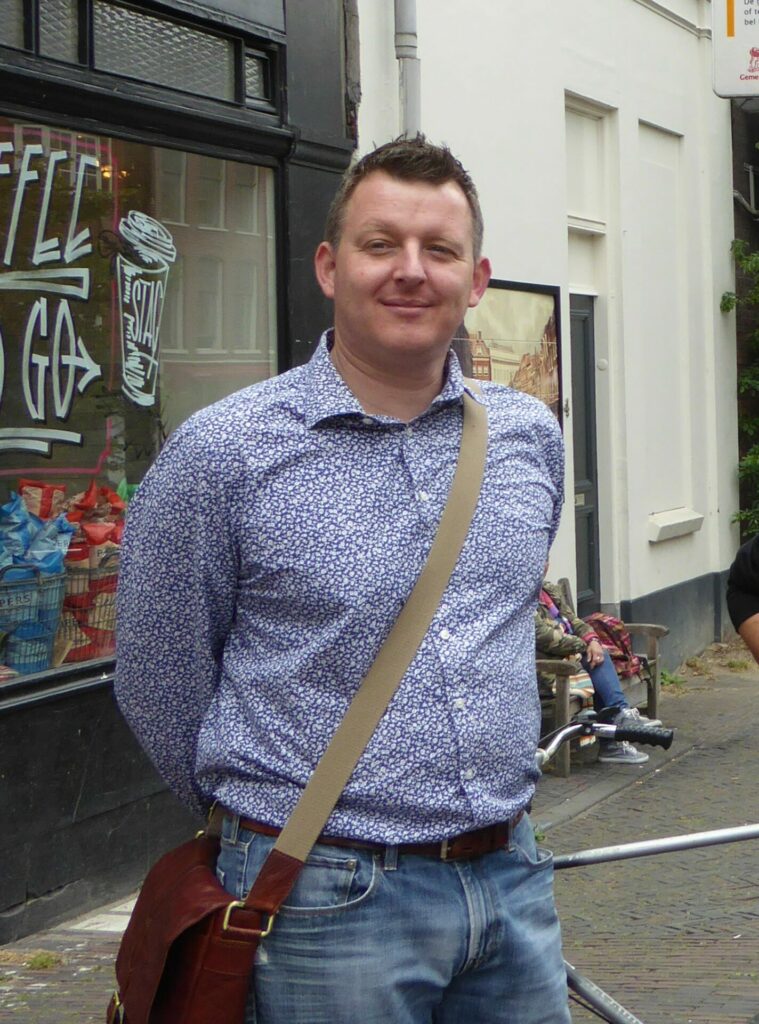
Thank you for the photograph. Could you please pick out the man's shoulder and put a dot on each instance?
(518, 405)
(265, 402)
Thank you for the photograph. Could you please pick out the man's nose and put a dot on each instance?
(409, 266)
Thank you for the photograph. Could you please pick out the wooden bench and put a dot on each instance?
(640, 690)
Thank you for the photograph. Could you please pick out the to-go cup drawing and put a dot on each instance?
(142, 278)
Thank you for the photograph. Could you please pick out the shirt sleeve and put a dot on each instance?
(553, 454)
(175, 604)
(743, 583)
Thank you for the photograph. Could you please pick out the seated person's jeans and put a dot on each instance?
(607, 690)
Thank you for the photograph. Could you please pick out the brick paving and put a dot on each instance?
(675, 937)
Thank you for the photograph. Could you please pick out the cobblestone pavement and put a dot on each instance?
(674, 937)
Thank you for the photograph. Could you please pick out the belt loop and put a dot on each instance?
(513, 822)
(234, 826)
(390, 858)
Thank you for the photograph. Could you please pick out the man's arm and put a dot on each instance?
(749, 630)
(176, 597)
(743, 594)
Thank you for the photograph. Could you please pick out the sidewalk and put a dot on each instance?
(65, 975)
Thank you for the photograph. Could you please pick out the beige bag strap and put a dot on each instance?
(397, 652)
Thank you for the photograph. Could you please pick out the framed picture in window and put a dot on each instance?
(513, 337)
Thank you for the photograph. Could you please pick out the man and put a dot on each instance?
(743, 594)
(268, 553)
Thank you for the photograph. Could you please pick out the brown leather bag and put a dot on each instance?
(187, 954)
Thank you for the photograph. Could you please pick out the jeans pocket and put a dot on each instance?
(331, 883)
(539, 858)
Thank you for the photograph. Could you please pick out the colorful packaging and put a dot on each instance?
(42, 499)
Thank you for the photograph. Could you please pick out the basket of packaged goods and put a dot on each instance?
(88, 621)
(30, 610)
(58, 596)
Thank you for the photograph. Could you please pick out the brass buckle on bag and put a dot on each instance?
(239, 904)
(117, 1008)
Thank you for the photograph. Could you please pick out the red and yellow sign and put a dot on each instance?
(735, 44)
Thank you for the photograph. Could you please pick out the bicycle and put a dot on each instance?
(582, 989)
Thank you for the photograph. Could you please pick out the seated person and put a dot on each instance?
(560, 634)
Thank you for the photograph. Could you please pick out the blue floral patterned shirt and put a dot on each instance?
(267, 554)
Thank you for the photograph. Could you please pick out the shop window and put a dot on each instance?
(121, 313)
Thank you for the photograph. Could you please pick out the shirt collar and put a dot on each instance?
(328, 396)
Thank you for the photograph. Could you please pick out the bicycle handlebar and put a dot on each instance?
(653, 735)
(585, 724)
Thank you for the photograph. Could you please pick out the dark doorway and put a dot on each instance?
(584, 443)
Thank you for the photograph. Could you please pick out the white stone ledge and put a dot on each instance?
(675, 522)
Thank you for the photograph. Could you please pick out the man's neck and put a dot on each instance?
(401, 392)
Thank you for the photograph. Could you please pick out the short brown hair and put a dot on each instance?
(407, 160)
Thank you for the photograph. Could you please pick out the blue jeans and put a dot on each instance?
(380, 938)
(607, 691)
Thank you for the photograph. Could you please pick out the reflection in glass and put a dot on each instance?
(137, 285)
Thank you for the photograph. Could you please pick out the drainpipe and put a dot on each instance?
(409, 78)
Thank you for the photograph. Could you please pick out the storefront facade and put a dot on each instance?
(165, 169)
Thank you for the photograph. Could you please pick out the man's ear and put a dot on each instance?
(324, 266)
(480, 280)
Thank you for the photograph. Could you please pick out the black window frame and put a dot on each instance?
(243, 43)
(151, 115)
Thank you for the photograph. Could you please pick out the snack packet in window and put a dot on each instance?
(53, 537)
(6, 558)
(126, 491)
(87, 500)
(42, 499)
(17, 525)
(49, 563)
(99, 537)
(115, 505)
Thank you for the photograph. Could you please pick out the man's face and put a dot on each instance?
(403, 273)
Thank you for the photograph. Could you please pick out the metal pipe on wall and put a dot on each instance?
(409, 76)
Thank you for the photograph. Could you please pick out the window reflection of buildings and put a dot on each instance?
(523, 365)
(218, 331)
(75, 144)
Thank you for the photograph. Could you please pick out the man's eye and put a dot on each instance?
(378, 245)
(440, 250)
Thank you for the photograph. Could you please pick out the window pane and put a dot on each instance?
(255, 77)
(139, 45)
(59, 31)
(12, 23)
(126, 303)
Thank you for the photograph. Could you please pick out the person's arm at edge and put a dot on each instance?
(743, 594)
(749, 631)
(176, 595)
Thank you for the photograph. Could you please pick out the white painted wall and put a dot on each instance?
(649, 152)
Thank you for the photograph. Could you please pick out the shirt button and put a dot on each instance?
(423, 496)
(459, 703)
(445, 634)
(367, 420)
(469, 773)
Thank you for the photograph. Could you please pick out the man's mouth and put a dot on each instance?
(406, 304)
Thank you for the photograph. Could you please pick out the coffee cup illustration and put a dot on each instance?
(142, 271)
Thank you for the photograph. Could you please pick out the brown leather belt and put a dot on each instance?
(462, 847)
